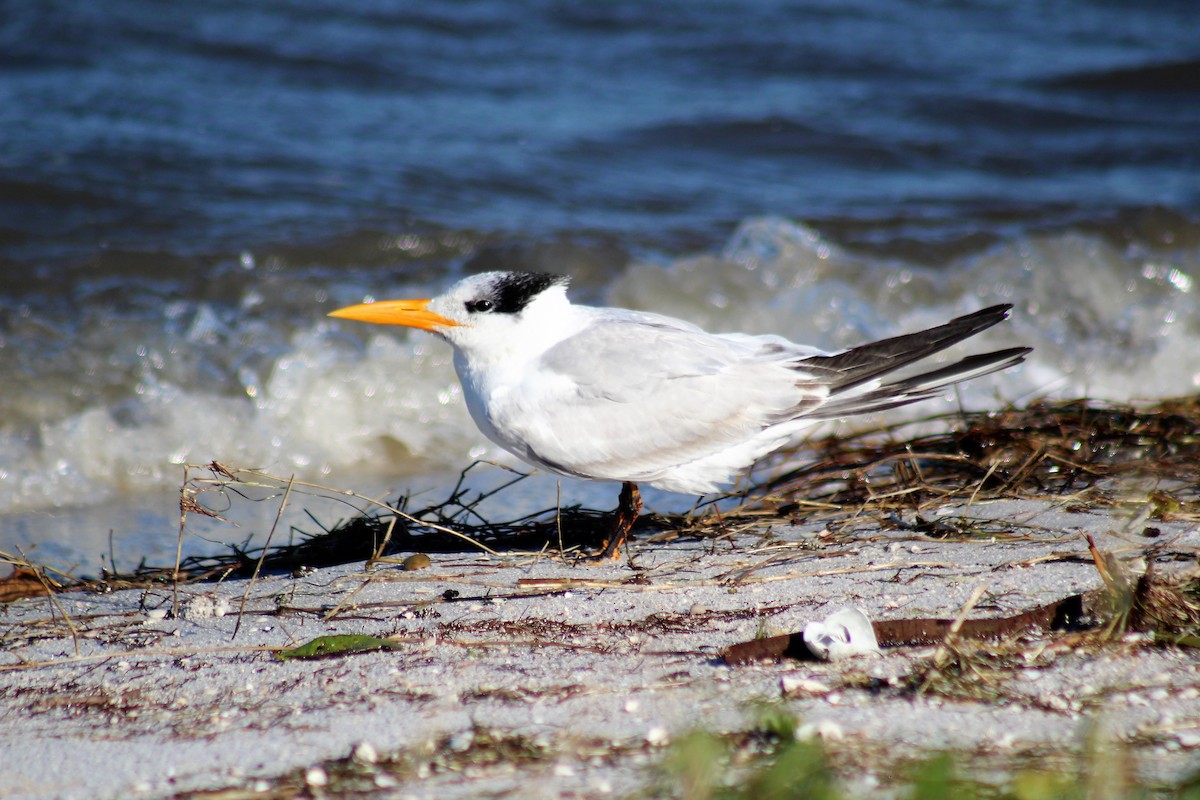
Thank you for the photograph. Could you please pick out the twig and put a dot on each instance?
(183, 512)
(943, 650)
(558, 513)
(258, 565)
(131, 654)
(51, 595)
(379, 551)
(334, 612)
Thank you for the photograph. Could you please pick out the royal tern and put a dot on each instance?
(609, 394)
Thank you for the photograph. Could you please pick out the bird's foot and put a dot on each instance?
(629, 507)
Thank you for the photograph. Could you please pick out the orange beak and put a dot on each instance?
(409, 313)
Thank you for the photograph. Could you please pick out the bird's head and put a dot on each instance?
(496, 310)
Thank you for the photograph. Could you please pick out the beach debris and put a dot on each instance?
(1139, 458)
(1061, 615)
(658, 736)
(365, 753)
(1080, 447)
(316, 777)
(417, 561)
(336, 645)
(1166, 610)
(25, 581)
(845, 633)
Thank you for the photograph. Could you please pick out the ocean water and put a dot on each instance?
(186, 189)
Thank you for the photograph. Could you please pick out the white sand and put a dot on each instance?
(151, 706)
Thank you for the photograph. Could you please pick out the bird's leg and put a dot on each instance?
(629, 506)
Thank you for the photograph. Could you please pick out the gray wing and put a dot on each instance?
(632, 396)
(628, 398)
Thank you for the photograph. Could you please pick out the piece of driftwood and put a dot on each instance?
(1065, 614)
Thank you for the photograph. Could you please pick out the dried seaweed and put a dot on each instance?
(376, 529)
(1084, 452)
(1078, 447)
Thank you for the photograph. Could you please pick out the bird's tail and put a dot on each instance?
(853, 376)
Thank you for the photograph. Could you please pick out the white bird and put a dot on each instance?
(609, 394)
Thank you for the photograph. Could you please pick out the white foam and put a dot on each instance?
(1103, 323)
(328, 397)
(323, 407)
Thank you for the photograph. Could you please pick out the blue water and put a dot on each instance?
(201, 128)
(186, 187)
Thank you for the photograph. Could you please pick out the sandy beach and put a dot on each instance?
(582, 676)
(190, 190)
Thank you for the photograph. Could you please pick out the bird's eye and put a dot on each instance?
(476, 306)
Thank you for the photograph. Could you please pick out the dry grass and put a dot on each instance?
(1087, 455)
(1091, 452)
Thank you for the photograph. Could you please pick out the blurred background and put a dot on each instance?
(187, 188)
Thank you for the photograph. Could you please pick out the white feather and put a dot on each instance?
(610, 394)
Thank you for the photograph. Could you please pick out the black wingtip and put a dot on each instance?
(986, 317)
(864, 363)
